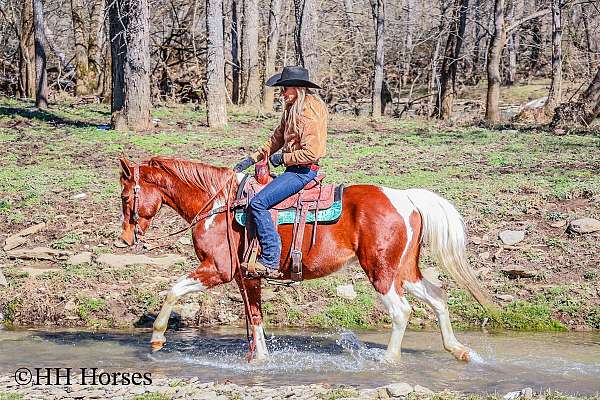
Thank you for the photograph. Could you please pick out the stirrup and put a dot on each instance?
(258, 270)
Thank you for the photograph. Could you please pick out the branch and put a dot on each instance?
(518, 22)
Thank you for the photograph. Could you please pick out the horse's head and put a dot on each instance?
(141, 200)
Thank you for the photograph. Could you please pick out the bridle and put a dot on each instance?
(201, 215)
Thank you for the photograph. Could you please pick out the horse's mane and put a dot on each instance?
(205, 177)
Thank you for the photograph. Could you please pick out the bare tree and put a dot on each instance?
(378, 11)
(215, 66)
(456, 34)
(512, 46)
(26, 52)
(235, 57)
(250, 60)
(408, 40)
(41, 92)
(306, 37)
(271, 53)
(130, 50)
(82, 75)
(555, 86)
(497, 41)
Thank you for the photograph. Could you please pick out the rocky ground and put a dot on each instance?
(530, 201)
(167, 389)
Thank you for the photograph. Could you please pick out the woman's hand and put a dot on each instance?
(245, 163)
(276, 159)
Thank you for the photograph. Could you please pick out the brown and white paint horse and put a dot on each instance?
(380, 227)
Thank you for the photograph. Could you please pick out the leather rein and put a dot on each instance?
(201, 215)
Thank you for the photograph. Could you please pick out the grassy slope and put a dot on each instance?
(498, 180)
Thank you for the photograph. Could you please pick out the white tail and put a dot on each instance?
(445, 234)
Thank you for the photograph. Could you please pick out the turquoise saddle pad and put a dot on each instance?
(330, 214)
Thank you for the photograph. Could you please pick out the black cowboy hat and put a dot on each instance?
(296, 76)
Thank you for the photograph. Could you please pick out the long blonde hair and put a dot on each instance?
(291, 114)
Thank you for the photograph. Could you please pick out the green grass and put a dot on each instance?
(11, 396)
(518, 315)
(340, 393)
(87, 306)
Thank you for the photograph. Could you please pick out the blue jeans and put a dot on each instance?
(290, 182)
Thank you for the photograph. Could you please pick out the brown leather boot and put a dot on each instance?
(258, 270)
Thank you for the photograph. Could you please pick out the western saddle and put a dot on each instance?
(313, 197)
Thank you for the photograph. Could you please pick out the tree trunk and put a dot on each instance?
(130, 50)
(497, 42)
(215, 65)
(81, 51)
(378, 9)
(41, 92)
(250, 61)
(554, 94)
(271, 53)
(94, 50)
(306, 36)
(536, 41)
(408, 40)
(27, 52)
(235, 57)
(478, 37)
(511, 46)
(451, 56)
(584, 110)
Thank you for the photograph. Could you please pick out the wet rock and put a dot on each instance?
(346, 292)
(423, 390)
(515, 272)
(81, 258)
(584, 225)
(122, 260)
(432, 275)
(32, 229)
(399, 389)
(505, 297)
(511, 238)
(14, 241)
(38, 253)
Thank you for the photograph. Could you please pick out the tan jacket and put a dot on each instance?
(306, 145)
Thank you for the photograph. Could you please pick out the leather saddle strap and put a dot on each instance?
(314, 232)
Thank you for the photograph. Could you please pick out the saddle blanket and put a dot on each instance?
(288, 216)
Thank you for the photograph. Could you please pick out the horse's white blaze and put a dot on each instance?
(208, 221)
(405, 208)
(399, 310)
(261, 343)
(436, 299)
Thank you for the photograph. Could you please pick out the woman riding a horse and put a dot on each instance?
(301, 134)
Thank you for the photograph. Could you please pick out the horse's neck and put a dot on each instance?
(187, 201)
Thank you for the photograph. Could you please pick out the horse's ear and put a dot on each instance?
(126, 167)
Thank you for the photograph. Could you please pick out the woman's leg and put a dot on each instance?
(282, 187)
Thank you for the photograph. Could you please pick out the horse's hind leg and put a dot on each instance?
(399, 310)
(436, 299)
(183, 286)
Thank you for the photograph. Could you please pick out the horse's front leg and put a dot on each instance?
(202, 278)
(253, 291)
